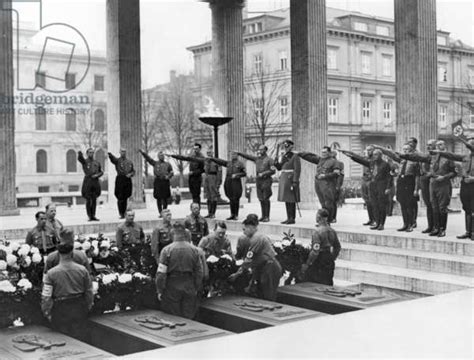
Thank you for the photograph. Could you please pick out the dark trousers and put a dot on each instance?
(322, 269)
(467, 197)
(211, 207)
(233, 191)
(264, 193)
(70, 317)
(195, 182)
(406, 198)
(440, 195)
(122, 207)
(326, 191)
(91, 205)
(366, 195)
(180, 296)
(425, 194)
(265, 207)
(269, 279)
(290, 210)
(380, 201)
(161, 204)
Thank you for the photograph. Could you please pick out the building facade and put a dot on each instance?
(51, 126)
(361, 81)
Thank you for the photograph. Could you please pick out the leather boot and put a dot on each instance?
(467, 234)
(262, 207)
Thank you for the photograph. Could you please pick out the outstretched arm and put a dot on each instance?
(391, 154)
(112, 158)
(219, 161)
(449, 155)
(309, 157)
(188, 158)
(247, 156)
(147, 158)
(80, 157)
(357, 158)
(417, 157)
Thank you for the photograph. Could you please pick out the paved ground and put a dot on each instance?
(349, 218)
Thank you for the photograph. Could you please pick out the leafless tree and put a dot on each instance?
(88, 133)
(151, 132)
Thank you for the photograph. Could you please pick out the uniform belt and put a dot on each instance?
(69, 297)
(407, 175)
(212, 173)
(180, 273)
(288, 171)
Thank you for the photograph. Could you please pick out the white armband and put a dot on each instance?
(47, 290)
(162, 268)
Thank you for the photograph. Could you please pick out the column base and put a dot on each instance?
(136, 205)
(309, 205)
(9, 212)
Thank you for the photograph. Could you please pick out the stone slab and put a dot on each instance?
(315, 297)
(121, 334)
(224, 312)
(71, 350)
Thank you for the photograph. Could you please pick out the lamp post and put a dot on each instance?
(215, 122)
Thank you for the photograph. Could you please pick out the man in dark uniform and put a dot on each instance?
(163, 173)
(196, 224)
(52, 224)
(123, 181)
(90, 185)
(265, 170)
(440, 173)
(212, 182)
(42, 237)
(467, 183)
(407, 185)
(339, 183)
(366, 180)
(233, 183)
(261, 258)
(424, 180)
(289, 183)
(327, 173)
(325, 248)
(161, 236)
(129, 233)
(217, 243)
(67, 293)
(179, 276)
(196, 169)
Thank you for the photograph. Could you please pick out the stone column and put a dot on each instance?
(308, 85)
(228, 71)
(8, 204)
(124, 90)
(416, 70)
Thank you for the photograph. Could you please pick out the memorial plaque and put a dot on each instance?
(334, 300)
(129, 332)
(42, 343)
(240, 314)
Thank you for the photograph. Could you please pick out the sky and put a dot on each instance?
(169, 26)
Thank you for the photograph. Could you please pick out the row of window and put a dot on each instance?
(71, 160)
(70, 81)
(71, 120)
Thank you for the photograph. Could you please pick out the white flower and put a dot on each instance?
(95, 287)
(212, 259)
(24, 250)
(226, 256)
(77, 245)
(18, 322)
(95, 244)
(7, 286)
(105, 243)
(124, 278)
(108, 278)
(27, 261)
(278, 244)
(3, 265)
(2, 247)
(36, 258)
(11, 259)
(76, 237)
(140, 276)
(34, 250)
(285, 243)
(114, 248)
(24, 284)
(86, 245)
(95, 252)
(8, 250)
(15, 246)
(239, 262)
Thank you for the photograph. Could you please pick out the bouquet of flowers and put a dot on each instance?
(21, 260)
(291, 256)
(220, 268)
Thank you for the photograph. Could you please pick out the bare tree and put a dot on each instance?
(267, 108)
(88, 133)
(151, 134)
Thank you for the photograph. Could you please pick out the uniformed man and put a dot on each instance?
(163, 173)
(366, 180)
(467, 183)
(288, 185)
(78, 256)
(179, 276)
(161, 236)
(217, 243)
(129, 233)
(261, 258)
(407, 185)
(265, 170)
(123, 181)
(40, 236)
(325, 248)
(67, 292)
(196, 169)
(52, 224)
(90, 185)
(233, 183)
(339, 183)
(196, 224)
(327, 173)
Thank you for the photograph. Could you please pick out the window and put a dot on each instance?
(471, 75)
(40, 118)
(100, 157)
(70, 81)
(283, 107)
(99, 120)
(442, 72)
(258, 27)
(443, 116)
(71, 161)
(258, 63)
(332, 109)
(366, 111)
(251, 28)
(43, 189)
(366, 62)
(382, 30)
(258, 109)
(360, 26)
(99, 83)
(40, 79)
(387, 113)
(73, 188)
(441, 40)
(283, 55)
(41, 161)
(386, 65)
(70, 120)
(332, 58)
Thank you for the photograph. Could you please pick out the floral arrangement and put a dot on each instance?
(220, 268)
(291, 256)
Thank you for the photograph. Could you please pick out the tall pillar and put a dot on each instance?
(228, 71)
(416, 67)
(124, 127)
(308, 85)
(8, 205)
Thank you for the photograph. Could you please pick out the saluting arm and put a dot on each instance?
(451, 156)
(391, 154)
(309, 157)
(219, 161)
(247, 156)
(417, 157)
(188, 158)
(148, 158)
(80, 157)
(356, 158)
(112, 158)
